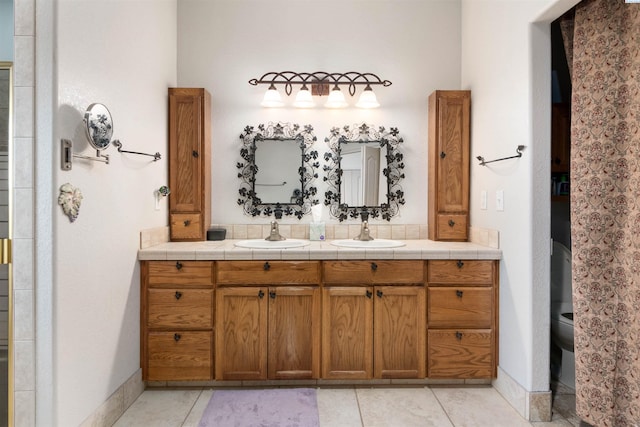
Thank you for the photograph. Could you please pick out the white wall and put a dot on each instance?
(121, 54)
(223, 44)
(506, 64)
(6, 30)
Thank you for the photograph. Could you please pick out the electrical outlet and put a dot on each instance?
(500, 200)
(483, 200)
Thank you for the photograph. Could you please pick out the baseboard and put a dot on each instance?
(113, 408)
(531, 405)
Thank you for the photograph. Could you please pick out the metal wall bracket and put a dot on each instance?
(483, 162)
(67, 155)
(118, 144)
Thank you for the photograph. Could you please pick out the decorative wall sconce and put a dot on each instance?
(322, 83)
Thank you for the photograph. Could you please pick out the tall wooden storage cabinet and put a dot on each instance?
(449, 119)
(189, 163)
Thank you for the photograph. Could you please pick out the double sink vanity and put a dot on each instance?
(318, 311)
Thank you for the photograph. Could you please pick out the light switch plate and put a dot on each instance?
(500, 200)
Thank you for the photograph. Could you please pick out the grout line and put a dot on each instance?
(195, 402)
(355, 390)
(441, 406)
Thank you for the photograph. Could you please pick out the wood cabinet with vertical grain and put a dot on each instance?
(448, 169)
(268, 320)
(189, 163)
(176, 313)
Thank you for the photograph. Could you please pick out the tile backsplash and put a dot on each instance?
(481, 236)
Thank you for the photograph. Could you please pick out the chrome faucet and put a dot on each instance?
(364, 232)
(274, 234)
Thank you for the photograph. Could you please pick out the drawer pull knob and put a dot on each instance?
(369, 294)
(195, 154)
(443, 155)
(266, 266)
(459, 336)
(178, 265)
(459, 293)
(272, 294)
(176, 337)
(451, 223)
(379, 293)
(374, 266)
(460, 264)
(178, 294)
(260, 294)
(187, 222)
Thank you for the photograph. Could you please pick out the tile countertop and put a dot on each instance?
(323, 250)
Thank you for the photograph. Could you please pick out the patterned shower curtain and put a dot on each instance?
(605, 211)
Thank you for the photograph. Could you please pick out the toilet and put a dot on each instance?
(562, 315)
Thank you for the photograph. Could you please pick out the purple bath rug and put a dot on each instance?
(279, 407)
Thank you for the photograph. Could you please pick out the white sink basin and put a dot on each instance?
(266, 244)
(369, 244)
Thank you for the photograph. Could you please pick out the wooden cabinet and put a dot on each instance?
(373, 321)
(177, 320)
(448, 171)
(462, 318)
(268, 332)
(189, 163)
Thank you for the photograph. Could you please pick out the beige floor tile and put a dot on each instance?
(565, 405)
(338, 407)
(406, 407)
(198, 409)
(557, 420)
(478, 407)
(159, 408)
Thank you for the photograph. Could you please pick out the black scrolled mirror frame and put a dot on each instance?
(393, 171)
(249, 200)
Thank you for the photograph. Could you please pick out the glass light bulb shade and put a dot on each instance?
(336, 99)
(272, 98)
(367, 99)
(304, 99)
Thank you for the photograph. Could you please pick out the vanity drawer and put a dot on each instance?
(460, 307)
(180, 355)
(185, 226)
(461, 272)
(180, 273)
(181, 308)
(378, 272)
(460, 353)
(268, 273)
(452, 227)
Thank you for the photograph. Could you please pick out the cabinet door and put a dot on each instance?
(399, 332)
(185, 145)
(347, 333)
(241, 333)
(294, 332)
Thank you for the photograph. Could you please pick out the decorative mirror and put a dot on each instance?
(99, 126)
(277, 170)
(364, 170)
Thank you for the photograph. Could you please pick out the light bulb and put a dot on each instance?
(303, 98)
(368, 99)
(336, 99)
(272, 98)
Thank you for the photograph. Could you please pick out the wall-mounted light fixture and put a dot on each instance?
(321, 82)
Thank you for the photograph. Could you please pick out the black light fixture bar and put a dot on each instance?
(289, 78)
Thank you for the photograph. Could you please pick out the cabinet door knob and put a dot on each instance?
(460, 264)
(459, 293)
(451, 223)
(272, 294)
(374, 266)
(379, 293)
(443, 155)
(176, 337)
(368, 294)
(266, 266)
(178, 294)
(178, 265)
(187, 222)
(195, 154)
(459, 335)
(260, 294)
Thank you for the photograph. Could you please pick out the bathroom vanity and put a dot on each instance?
(211, 311)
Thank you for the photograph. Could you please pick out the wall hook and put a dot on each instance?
(483, 162)
(118, 144)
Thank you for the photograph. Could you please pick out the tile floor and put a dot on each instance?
(477, 406)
